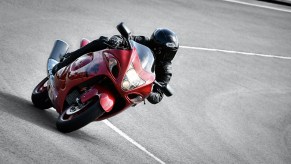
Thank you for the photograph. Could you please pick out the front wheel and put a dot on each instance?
(78, 116)
(40, 97)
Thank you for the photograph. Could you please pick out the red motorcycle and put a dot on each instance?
(97, 85)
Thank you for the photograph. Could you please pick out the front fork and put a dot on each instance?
(52, 93)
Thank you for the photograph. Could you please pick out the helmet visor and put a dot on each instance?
(169, 55)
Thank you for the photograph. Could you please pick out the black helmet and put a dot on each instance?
(164, 43)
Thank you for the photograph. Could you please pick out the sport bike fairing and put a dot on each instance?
(96, 64)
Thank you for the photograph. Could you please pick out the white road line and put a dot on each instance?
(236, 52)
(261, 6)
(131, 140)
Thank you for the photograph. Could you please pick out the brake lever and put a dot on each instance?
(166, 89)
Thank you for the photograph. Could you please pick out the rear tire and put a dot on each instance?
(40, 97)
(89, 112)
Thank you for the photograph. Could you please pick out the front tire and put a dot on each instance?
(40, 97)
(75, 117)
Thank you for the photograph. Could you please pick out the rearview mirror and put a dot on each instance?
(123, 30)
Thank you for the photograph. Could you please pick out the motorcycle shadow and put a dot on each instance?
(24, 109)
(278, 2)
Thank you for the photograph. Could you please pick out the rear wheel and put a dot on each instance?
(40, 97)
(77, 116)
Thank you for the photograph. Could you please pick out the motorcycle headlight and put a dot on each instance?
(131, 79)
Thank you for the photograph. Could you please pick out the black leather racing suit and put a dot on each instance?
(163, 69)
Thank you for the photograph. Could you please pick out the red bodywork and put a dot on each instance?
(89, 67)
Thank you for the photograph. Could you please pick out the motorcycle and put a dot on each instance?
(97, 85)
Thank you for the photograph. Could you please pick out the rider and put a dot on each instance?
(163, 43)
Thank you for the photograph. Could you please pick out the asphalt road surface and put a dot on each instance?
(232, 101)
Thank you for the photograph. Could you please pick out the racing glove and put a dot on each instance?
(117, 42)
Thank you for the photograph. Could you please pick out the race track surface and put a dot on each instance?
(228, 107)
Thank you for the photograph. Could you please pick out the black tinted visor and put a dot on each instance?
(169, 55)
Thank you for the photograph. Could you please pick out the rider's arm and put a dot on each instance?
(118, 41)
(141, 40)
(163, 72)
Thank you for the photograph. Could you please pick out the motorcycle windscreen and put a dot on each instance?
(145, 55)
